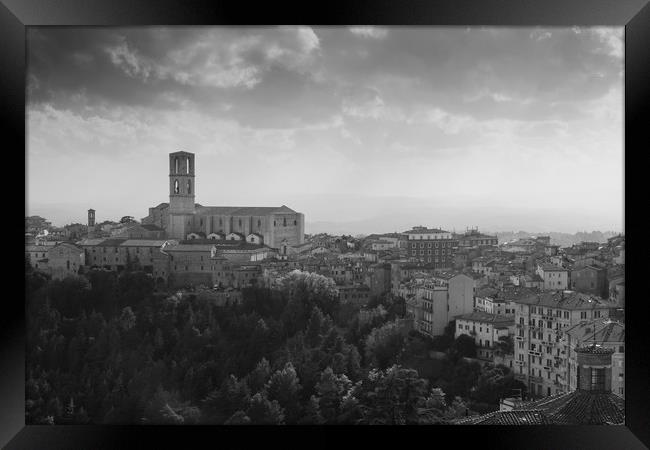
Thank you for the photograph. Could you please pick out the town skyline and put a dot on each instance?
(362, 129)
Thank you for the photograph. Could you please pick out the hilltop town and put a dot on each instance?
(526, 307)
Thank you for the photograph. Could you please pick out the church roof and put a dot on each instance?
(244, 210)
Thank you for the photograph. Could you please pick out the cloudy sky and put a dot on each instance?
(362, 129)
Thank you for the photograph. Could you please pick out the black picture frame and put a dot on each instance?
(16, 15)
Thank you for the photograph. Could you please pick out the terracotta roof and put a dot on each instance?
(574, 408)
(37, 248)
(121, 242)
(605, 330)
(114, 242)
(69, 245)
(564, 300)
(91, 242)
(486, 292)
(582, 408)
(426, 231)
(143, 242)
(151, 227)
(243, 210)
(207, 244)
(484, 317)
(514, 417)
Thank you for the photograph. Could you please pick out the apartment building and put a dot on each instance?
(439, 300)
(541, 319)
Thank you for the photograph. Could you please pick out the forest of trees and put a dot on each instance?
(106, 348)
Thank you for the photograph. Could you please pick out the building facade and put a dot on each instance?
(590, 279)
(486, 330)
(555, 278)
(439, 300)
(540, 322)
(431, 246)
(65, 259)
(472, 238)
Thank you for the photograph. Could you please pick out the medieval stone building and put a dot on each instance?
(182, 218)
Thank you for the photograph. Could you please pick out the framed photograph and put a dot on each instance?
(426, 208)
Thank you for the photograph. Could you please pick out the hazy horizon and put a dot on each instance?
(359, 128)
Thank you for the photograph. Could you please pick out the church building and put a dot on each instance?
(183, 219)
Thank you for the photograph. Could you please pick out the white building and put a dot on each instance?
(440, 299)
(555, 278)
(486, 329)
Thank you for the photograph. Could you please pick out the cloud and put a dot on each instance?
(428, 108)
(612, 38)
(369, 32)
(212, 61)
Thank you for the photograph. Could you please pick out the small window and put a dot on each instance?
(176, 189)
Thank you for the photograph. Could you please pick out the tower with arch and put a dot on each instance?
(181, 194)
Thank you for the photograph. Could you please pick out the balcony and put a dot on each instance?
(534, 353)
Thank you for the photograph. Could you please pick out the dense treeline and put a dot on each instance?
(106, 348)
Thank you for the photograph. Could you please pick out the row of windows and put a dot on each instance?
(442, 244)
(414, 252)
(430, 236)
(549, 312)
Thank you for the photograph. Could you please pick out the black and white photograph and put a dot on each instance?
(325, 225)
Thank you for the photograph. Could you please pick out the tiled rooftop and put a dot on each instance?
(243, 210)
(484, 317)
(605, 330)
(564, 300)
(574, 408)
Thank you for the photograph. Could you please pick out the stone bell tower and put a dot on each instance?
(181, 194)
(91, 223)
